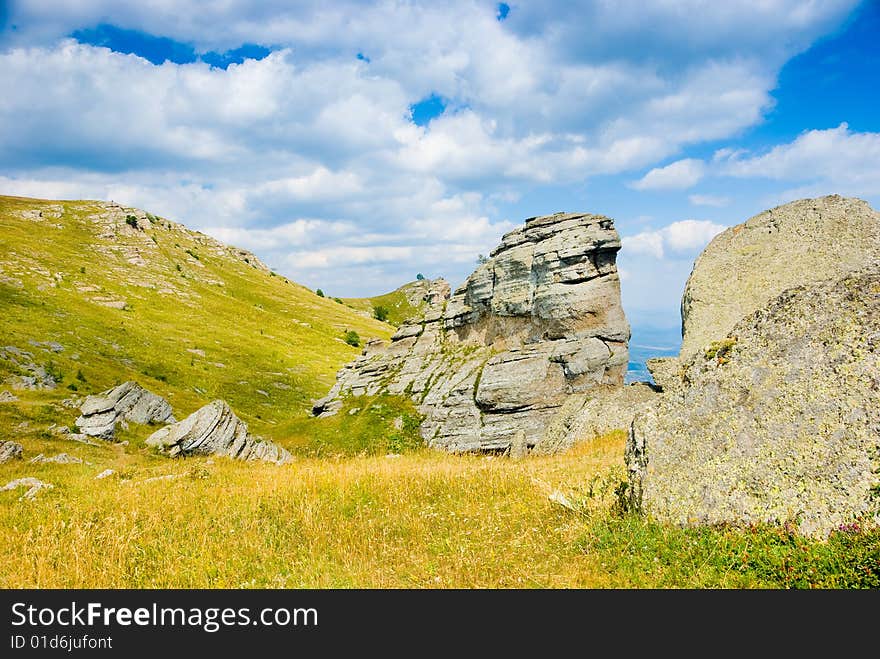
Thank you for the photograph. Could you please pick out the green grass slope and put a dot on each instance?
(126, 295)
(398, 303)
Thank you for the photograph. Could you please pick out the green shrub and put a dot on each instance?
(131, 221)
(380, 313)
(319, 293)
(351, 338)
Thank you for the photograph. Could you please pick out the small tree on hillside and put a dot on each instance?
(380, 313)
(351, 338)
(319, 293)
(420, 276)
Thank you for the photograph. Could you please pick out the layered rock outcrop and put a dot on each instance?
(541, 319)
(215, 430)
(777, 422)
(127, 402)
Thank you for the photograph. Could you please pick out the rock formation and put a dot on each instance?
(779, 421)
(603, 410)
(215, 430)
(804, 242)
(128, 402)
(539, 320)
(9, 451)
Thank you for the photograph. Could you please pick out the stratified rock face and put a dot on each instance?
(540, 320)
(780, 422)
(805, 242)
(130, 402)
(215, 430)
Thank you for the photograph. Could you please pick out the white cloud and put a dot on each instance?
(309, 155)
(836, 160)
(709, 200)
(685, 237)
(676, 176)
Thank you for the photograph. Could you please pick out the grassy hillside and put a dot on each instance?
(398, 303)
(92, 295)
(100, 294)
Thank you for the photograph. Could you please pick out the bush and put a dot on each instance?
(131, 221)
(319, 293)
(420, 277)
(351, 338)
(380, 313)
(336, 299)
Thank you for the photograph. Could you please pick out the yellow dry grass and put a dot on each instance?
(421, 520)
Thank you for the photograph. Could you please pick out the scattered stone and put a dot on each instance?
(196, 351)
(127, 402)
(34, 485)
(263, 393)
(538, 321)
(61, 458)
(353, 411)
(105, 474)
(81, 438)
(7, 397)
(10, 451)
(778, 422)
(38, 378)
(51, 346)
(215, 430)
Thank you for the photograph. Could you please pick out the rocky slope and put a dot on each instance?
(540, 320)
(778, 422)
(93, 294)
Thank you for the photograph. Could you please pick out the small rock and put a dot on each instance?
(7, 397)
(354, 410)
(34, 485)
(82, 439)
(61, 458)
(196, 351)
(10, 451)
(263, 393)
(105, 474)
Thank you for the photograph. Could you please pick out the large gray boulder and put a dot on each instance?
(777, 422)
(127, 402)
(215, 430)
(804, 242)
(540, 320)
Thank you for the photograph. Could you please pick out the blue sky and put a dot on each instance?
(356, 144)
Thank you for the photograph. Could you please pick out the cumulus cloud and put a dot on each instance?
(683, 238)
(836, 159)
(676, 176)
(310, 156)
